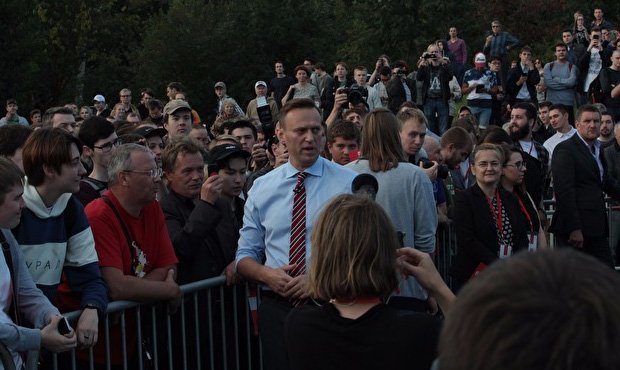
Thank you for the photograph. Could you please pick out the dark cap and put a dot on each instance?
(11, 101)
(224, 151)
(362, 181)
(147, 131)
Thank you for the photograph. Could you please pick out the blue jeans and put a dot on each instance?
(439, 123)
(483, 115)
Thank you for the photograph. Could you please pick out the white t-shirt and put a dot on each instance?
(596, 64)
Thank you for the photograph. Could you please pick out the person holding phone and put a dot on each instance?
(20, 300)
(522, 80)
(590, 65)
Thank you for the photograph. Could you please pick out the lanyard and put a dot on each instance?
(527, 216)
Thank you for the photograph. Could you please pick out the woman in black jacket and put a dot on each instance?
(487, 219)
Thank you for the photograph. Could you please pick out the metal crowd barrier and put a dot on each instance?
(212, 329)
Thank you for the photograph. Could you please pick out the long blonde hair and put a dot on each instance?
(381, 141)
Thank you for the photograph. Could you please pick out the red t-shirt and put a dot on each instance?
(153, 249)
(153, 246)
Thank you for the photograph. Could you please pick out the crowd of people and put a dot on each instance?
(101, 203)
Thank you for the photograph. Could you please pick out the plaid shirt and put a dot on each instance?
(499, 43)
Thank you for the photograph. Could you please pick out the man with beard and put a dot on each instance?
(607, 129)
(564, 131)
(536, 157)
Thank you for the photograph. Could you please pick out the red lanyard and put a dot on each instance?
(527, 215)
(498, 214)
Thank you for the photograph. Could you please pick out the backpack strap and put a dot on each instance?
(126, 231)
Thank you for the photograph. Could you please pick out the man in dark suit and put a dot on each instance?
(580, 173)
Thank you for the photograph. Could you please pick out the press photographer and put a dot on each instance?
(434, 73)
(400, 89)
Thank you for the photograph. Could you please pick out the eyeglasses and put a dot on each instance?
(108, 146)
(517, 165)
(154, 173)
(484, 164)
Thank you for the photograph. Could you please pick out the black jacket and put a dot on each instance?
(204, 236)
(580, 201)
(512, 89)
(445, 76)
(476, 234)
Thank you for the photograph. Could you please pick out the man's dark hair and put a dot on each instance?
(530, 109)
(586, 108)
(243, 124)
(559, 45)
(595, 29)
(319, 65)
(47, 147)
(568, 30)
(175, 85)
(553, 309)
(12, 137)
(311, 60)
(526, 48)
(385, 71)
(495, 135)
(155, 103)
(11, 175)
(11, 101)
(457, 136)
(344, 129)
(547, 104)
(49, 114)
(559, 107)
(295, 104)
(494, 58)
(147, 91)
(94, 129)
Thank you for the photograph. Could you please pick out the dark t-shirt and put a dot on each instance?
(279, 87)
(90, 189)
(382, 338)
(610, 78)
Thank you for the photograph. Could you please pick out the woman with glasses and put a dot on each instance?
(580, 31)
(354, 270)
(512, 181)
(487, 219)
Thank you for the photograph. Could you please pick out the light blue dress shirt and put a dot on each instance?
(266, 230)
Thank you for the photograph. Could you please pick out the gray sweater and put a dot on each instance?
(406, 194)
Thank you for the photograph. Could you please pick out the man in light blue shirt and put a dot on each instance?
(265, 235)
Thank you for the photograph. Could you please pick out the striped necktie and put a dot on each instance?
(297, 251)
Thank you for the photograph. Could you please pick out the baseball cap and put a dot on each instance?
(224, 151)
(147, 131)
(480, 60)
(220, 84)
(259, 83)
(99, 98)
(176, 104)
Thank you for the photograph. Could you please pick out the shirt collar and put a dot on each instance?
(597, 144)
(315, 170)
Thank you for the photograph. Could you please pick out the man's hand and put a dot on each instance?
(488, 40)
(175, 301)
(340, 99)
(521, 80)
(231, 275)
(211, 189)
(259, 155)
(53, 341)
(278, 279)
(296, 288)
(419, 265)
(431, 172)
(576, 238)
(281, 159)
(87, 329)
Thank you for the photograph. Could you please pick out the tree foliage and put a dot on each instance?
(70, 50)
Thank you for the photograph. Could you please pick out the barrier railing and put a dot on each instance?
(210, 330)
(5, 358)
